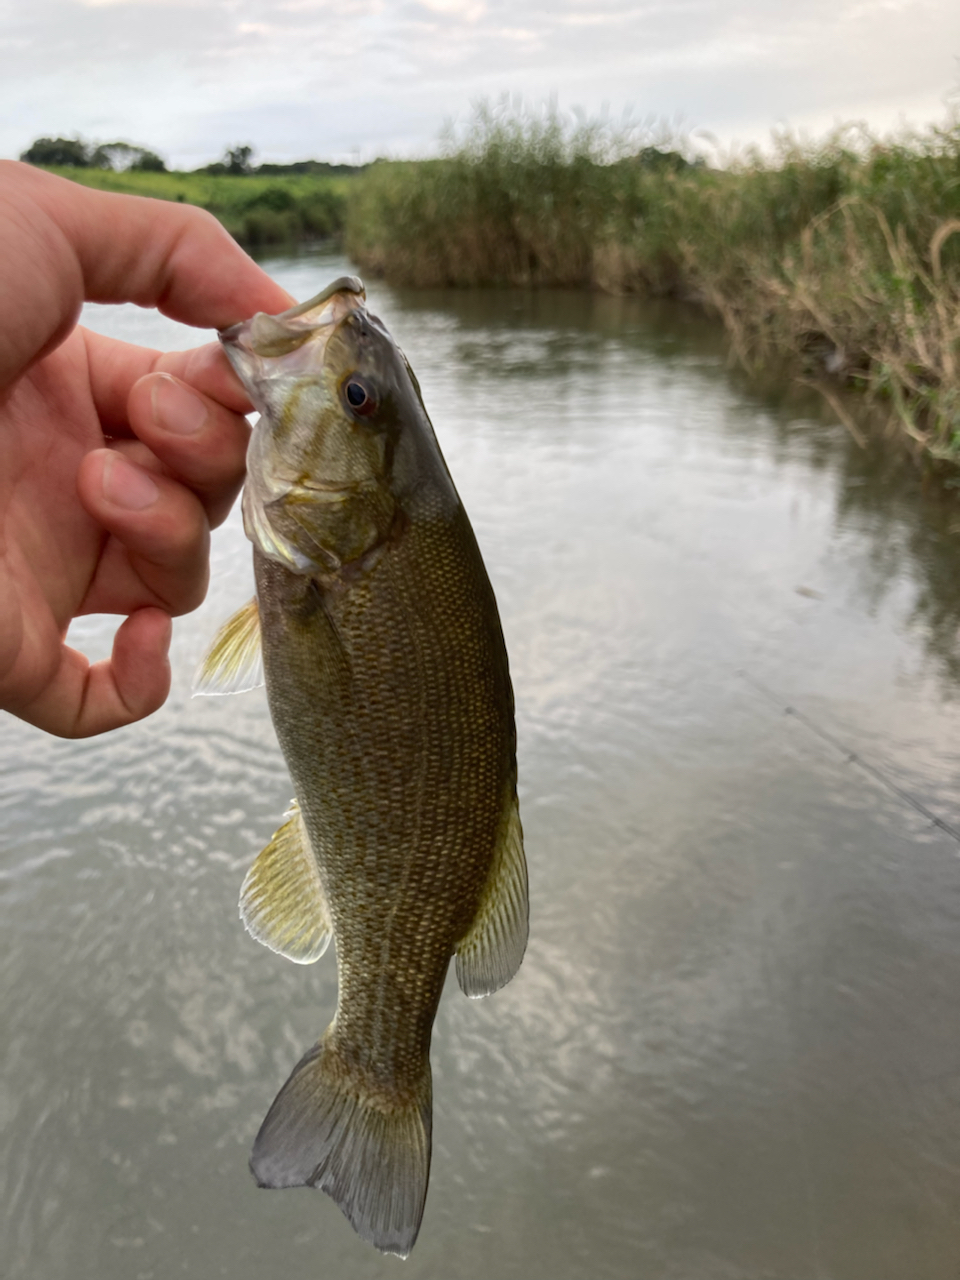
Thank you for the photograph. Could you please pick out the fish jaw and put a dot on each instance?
(299, 335)
(309, 505)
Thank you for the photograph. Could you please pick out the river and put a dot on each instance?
(733, 1049)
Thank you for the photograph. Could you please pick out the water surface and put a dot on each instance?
(733, 1049)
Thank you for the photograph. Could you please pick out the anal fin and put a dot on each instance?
(490, 953)
(282, 902)
(234, 662)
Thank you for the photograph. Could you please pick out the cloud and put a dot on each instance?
(318, 77)
(466, 10)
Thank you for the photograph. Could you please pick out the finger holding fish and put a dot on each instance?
(158, 536)
(197, 438)
(188, 407)
(160, 490)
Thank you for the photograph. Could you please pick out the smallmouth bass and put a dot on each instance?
(389, 689)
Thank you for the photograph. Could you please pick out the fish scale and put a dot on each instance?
(406, 697)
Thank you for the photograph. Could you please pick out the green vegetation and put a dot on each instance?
(257, 209)
(843, 255)
(78, 154)
(259, 205)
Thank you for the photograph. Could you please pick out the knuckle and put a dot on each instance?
(189, 592)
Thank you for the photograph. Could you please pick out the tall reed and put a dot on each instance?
(842, 253)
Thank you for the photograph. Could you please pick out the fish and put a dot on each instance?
(388, 683)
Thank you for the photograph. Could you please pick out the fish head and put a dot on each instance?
(333, 391)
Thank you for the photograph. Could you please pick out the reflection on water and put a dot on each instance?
(733, 1049)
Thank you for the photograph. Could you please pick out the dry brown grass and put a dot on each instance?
(841, 255)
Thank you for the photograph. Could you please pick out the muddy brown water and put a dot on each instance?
(733, 1050)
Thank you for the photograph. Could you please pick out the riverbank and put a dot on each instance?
(841, 257)
(257, 209)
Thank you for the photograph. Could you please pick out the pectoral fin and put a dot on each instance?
(234, 661)
(282, 902)
(490, 954)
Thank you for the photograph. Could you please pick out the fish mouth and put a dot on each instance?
(318, 491)
(327, 492)
(252, 343)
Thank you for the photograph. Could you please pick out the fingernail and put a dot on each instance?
(127, 486)
(176, 409)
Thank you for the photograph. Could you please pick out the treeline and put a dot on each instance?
(74, 153)
(238, 161)
(121, 157)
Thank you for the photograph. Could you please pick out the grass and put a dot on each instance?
(256, 209)
(842, 255)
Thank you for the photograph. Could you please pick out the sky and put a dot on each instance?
(354, 79)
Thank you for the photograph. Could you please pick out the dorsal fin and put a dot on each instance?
(490, 953)
(282, 902)
(234, 661)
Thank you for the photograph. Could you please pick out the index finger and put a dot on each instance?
(114, 367)
(64, 243)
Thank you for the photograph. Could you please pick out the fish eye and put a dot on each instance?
(359, 396)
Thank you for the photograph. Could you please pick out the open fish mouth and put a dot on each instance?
(253, 344)
(331, 492)
(319, 492)
(281, 360)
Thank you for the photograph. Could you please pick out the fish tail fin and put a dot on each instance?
(370, 1154)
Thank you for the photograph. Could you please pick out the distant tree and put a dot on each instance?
(149, 162)
(112, 155)
(121, 156)
(107, 155)
(68, 151)
(237, 159)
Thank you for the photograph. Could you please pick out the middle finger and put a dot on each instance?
(197, 439)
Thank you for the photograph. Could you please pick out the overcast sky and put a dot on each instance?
(348, 79)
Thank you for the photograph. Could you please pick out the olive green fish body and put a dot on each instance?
(389, 689)
(392, 703)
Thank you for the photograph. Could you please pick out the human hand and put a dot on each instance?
(115, 461)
